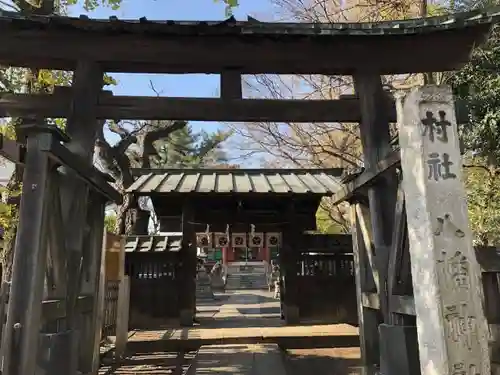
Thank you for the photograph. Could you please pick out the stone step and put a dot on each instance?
(246, 281)
(252, 359)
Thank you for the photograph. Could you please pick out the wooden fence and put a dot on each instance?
(327, 289)
(110, 308)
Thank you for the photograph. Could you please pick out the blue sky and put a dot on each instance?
(190, 85)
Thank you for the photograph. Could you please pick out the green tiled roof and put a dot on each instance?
(239, 181)
(153, 243)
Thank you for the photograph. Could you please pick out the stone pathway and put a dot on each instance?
(243, 317)
(246, 308)
(260, 359)
(238, 325)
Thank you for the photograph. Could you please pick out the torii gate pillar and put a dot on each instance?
(451, 325)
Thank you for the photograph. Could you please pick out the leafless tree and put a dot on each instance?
(318, 144)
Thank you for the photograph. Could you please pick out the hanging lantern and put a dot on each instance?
(239, 240)
(273, 239)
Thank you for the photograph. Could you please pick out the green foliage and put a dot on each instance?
(184, 148)
(230, 5)
(90, 5)
(483, 195)
(326, 224)
(478, 84)
(7, 211)
(110, 223)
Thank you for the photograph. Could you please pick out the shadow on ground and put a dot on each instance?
(259, 310)
(150, 364)
(324, 361)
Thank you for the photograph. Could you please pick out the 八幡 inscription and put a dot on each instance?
(461, 368)
(455, 269)
(436, 129)
(461, 327)
(440, 226)
(440, 167)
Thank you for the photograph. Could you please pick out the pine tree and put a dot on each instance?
(187, 149)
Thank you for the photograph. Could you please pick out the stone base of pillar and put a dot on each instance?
(292, 315)
(186, 317)
(398, 350)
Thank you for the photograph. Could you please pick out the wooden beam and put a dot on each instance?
(11, 150)
(266, 50)
(396, 251)
(56, 309)
(58, 105)
(52, 144)
(402, 304)
(368, 316)
(488, 258)
(368, 177)
(230, 85)
(57, 243)
(365, 230)
(399, 304)
(375, 140)
(370, 300)
(91, 175)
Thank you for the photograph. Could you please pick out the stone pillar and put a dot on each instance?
(451, 325)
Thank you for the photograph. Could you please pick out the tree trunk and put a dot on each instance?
(131, 219)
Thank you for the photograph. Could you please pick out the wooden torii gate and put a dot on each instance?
(231, 49)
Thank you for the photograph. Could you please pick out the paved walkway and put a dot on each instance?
(261, 359)
(243, 317)
(240, 308)
(245, 322)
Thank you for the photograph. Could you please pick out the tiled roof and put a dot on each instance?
(152, 243)
(262, 181)
(252, 26)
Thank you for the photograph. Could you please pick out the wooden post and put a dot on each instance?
(375, 139)
(122, 317)
(82, 129)
(187, 274)
(290, 258)
(368, 318)
(100, 302)
(24, 308)
(452, 329)
(91, 280)
(230, 85)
